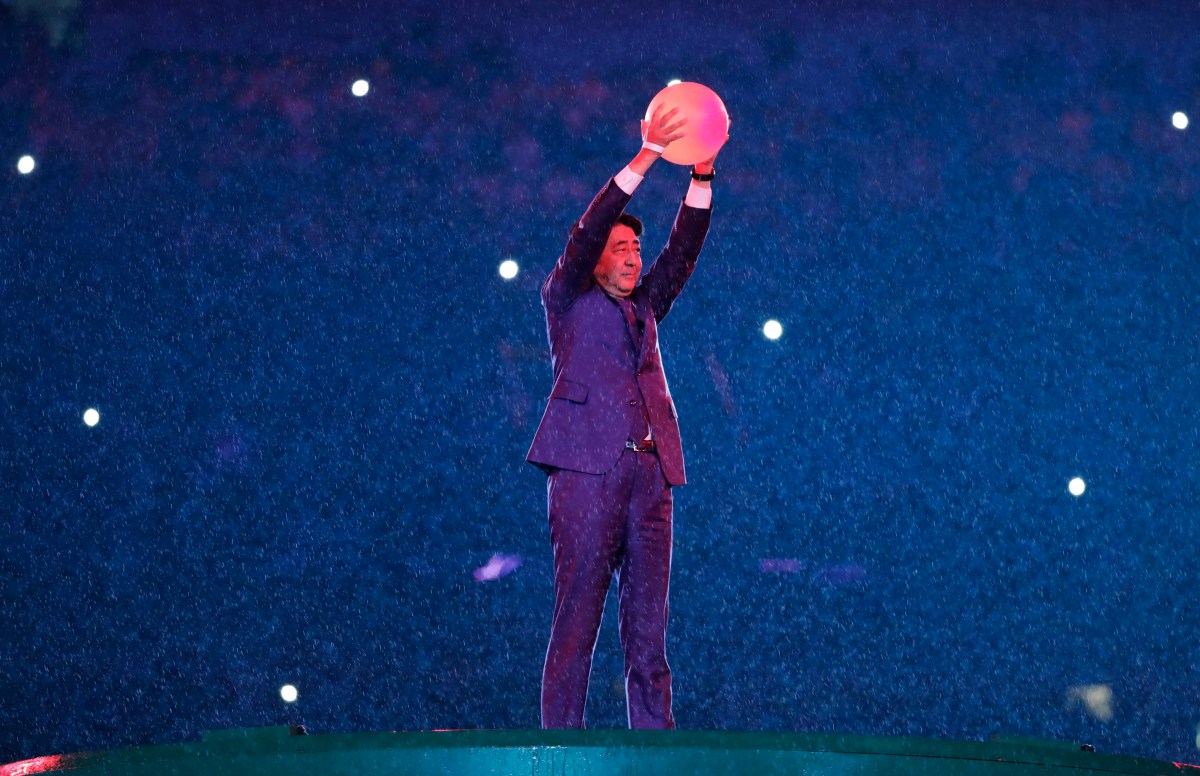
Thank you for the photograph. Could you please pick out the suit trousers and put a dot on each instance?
(600, 525)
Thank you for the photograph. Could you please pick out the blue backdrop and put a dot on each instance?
(976, 224)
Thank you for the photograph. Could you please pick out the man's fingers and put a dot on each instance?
(675, 126)
(659, 117)
(661, 129)
(672, 133)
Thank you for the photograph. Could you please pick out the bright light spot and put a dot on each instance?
(1096, 698)
(288, 693)
(25, 165)
(1198, 736)
(1179, 120)
(360, 88)
(674, 81)
(772, 329)
(499, 565)
(1077, 486)
(508, 269)
(91, 416)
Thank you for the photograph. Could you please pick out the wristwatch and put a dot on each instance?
(703, 176)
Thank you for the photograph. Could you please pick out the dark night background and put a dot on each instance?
(975, 221)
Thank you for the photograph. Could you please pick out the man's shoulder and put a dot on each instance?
(548, 287)
(587, 310)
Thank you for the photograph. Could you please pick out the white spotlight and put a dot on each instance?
(1077, 486)
(1179, 120)
(288, 693)
(674, 81)
(508, 269)
(772, 329)
(1097, 699)
(91, 416)
(360, 88)
(25, 165)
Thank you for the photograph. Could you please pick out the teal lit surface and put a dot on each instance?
(270, 751)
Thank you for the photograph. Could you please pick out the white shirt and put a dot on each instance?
(697, 196)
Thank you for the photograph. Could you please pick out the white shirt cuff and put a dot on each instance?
(627, 180)
(698, 196)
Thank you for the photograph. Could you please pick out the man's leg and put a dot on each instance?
(587, 526)
(644, 578)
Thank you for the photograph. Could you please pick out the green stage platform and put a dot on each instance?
(274, 751)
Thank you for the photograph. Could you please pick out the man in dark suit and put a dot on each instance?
(609, 439)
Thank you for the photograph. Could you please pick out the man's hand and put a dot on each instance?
(661, 130)
(707, 165)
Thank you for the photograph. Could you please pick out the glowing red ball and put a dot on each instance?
(707, 121)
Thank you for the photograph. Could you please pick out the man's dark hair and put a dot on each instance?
(630, 220)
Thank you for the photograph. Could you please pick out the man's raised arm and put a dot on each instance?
(573, 271)
(671, 270)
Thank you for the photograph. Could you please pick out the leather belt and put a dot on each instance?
(646, 446)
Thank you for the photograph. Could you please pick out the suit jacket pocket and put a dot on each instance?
(569, 390)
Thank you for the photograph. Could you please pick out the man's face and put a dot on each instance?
(620, 265)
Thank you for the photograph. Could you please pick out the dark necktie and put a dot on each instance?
(635, 332)
(635, 325)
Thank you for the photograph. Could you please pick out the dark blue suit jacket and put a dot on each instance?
(601, 377)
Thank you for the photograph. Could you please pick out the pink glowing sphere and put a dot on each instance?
(707, 126)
